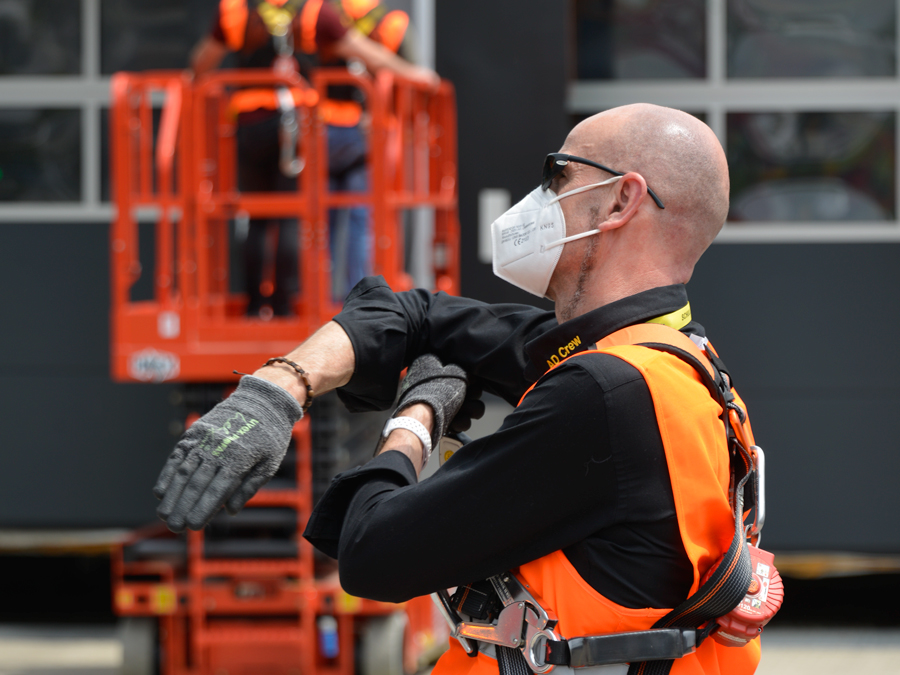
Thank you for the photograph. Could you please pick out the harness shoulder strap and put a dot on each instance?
(728, 583)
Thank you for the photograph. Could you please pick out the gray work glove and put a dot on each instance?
(227, 455)
(441, 387)
(472, 409)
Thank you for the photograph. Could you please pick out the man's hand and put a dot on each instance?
(441, 387)
(472, 409)
(424, 76)
(355, 45)
(227, 455)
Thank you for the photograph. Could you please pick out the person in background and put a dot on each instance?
(311, 31)
(343, 111)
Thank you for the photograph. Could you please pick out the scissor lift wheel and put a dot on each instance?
(138, 637)
(383, 646)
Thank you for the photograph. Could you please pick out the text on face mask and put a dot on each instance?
(564, 351)
(517, 234)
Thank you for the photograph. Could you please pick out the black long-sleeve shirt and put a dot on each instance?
(579, 466)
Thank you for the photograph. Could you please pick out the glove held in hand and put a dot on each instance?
(441, 387)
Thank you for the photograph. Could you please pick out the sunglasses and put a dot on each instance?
(556, 162)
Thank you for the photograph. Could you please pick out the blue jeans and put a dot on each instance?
(347, 172)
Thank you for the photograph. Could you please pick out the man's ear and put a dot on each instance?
(629, 193)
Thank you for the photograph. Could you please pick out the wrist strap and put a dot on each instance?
(414, 426)
(303, 376)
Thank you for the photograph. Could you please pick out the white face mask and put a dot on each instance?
(528, 238)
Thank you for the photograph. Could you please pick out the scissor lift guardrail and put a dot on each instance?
(179, 177)
(174, 166)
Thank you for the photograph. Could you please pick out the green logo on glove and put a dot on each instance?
(233, 429)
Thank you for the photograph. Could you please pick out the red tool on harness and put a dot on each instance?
(762, 601)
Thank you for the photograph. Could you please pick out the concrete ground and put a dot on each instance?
(49, 650)
(830, 651)
(59, 650)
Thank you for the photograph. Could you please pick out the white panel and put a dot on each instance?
(492, 203)
(423, 20)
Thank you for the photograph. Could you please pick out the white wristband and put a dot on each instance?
(414, 426)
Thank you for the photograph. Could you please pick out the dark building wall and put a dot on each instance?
(78, 450)
(807, 329)
(809, 332)
(507, 61)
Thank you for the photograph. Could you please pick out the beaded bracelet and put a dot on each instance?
(303, 376)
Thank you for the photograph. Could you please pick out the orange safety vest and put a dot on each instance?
(699, 469)
(234, 18)
(375, 22)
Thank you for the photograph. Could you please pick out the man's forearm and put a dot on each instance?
(354, 45)
(328, 358)
(207, 55)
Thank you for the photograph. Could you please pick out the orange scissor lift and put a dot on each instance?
(251, 601)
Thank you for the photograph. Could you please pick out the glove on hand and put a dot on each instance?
(228, 454)
(472, 409)
(441, 387)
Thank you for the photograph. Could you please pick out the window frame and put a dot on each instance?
(87, 92)
(716, 96)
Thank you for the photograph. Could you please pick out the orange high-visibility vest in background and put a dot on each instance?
(388, 28)
(234, 18)
(697, 456)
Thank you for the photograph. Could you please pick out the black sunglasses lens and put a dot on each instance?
(551, 171)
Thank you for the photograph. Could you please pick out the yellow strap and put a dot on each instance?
(677, 319)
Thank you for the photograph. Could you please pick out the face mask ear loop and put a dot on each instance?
(565, 240)
(583, 188)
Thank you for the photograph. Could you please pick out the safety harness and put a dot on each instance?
(522, 632)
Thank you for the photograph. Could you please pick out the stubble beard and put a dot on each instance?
(587, 264)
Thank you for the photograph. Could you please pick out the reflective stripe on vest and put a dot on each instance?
(697, 457)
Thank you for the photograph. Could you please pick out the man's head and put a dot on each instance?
(641, 245)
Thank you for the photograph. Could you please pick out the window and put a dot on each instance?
(802, 94)
(142, 35)
(40, 37)
(56, 57)
(647, 39)
(39, 155)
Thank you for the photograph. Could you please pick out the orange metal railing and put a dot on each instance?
(179, 177)
(249, 615)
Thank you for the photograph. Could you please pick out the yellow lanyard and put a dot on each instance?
(677, 319)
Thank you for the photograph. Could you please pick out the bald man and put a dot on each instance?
(606, 491)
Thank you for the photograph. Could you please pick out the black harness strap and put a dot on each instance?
(652, 652)
(511, 661)
(601, 650)
(728, 584)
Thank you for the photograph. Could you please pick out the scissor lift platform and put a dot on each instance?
(247, 595)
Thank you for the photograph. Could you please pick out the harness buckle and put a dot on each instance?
(290, 164)
(522, 623)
